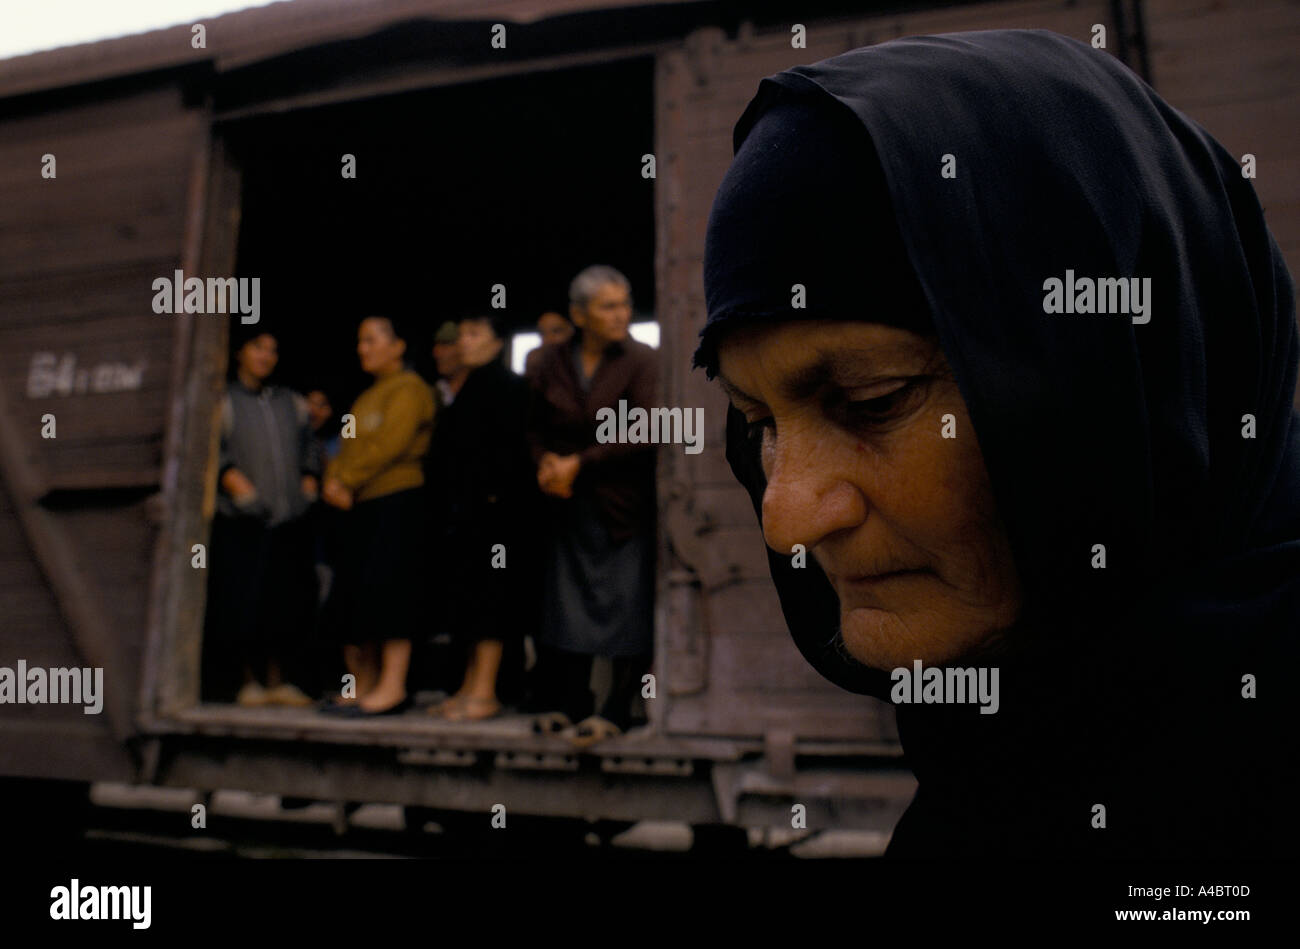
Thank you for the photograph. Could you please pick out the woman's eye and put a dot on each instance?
(887, 404)
(882, 409)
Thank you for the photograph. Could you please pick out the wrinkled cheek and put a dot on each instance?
(978, 556)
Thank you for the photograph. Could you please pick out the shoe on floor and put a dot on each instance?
(288, 694)
(446, 705)
(591, 730)
(551, 723)
(472, 709)
(356, 711)
(252, 695)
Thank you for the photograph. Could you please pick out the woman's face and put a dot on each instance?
(901, 519)
(478, 344)
(319, 409)
(258, 356)
(380, 351)
(554, 328)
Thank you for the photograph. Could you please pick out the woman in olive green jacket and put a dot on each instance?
(378, 480)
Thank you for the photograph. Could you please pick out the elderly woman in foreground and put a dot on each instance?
(1011, 352)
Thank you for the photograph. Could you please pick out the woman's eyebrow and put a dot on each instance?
(892, 359)
(799, 384)
(839, 366)
(830, 366)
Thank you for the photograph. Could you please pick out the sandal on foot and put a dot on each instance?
(594, 729)
(356, 711)
(288, 694)
(551, 723)
(336, 705)
(472, 709)
(440, 709)
(252, 695)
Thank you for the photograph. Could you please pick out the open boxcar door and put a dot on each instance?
(103, 190)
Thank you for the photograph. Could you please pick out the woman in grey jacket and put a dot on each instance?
(262, 586)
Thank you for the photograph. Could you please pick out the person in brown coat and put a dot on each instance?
(600, 564)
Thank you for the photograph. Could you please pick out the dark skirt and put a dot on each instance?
(599, 598)
(379, 571)
(261, 594)
(485, 580)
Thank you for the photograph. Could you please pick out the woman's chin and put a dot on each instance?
(886, 640)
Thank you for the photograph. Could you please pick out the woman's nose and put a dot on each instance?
(808, 497)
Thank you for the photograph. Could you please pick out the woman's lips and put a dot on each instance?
(869, 579)
(861, 591)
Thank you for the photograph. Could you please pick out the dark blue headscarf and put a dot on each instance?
(1094, 429)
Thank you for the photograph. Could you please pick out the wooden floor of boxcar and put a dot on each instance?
(416, 729)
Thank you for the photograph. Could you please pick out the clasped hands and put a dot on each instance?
(336, 494)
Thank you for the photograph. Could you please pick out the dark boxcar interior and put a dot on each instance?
(518, 181)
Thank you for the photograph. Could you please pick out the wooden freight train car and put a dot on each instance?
(124, 161)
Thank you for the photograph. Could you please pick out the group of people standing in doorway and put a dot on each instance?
(435, 532)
